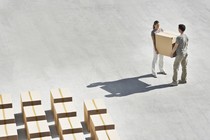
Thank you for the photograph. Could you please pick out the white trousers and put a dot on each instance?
(154, 62)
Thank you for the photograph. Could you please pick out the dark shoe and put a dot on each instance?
(182, 82)
(174, 84)
(163, 72)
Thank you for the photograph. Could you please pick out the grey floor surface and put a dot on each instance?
(103, 49)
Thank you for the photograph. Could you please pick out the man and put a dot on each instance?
(180, 48)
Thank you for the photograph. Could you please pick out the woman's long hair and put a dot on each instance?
(155, 22)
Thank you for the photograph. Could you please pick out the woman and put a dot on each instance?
(156, 29)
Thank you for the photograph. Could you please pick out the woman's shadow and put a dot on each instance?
(127, 86)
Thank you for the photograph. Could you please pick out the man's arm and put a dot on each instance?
(174, 49)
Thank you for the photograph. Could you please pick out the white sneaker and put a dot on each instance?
(154, 75)
(162, 72)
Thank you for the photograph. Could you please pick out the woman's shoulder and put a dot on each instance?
(153, 32)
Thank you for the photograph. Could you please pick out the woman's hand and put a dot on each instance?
(156, 51)
(172, 55)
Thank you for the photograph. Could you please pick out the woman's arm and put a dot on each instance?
(154, 45)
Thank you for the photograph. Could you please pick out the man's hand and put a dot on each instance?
(174, 50)
(172, 54)
(156, 51)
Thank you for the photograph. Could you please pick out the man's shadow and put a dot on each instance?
(127, 86)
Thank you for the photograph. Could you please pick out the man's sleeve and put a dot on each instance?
(178, 40)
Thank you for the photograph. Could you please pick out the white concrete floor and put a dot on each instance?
(103, 49)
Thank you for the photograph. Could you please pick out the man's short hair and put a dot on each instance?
(182, 27)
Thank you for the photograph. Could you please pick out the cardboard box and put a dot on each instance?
(37, 129)
(100, 122)
(8, 132)
(107, 135)
(30, 98)
(69, 125)
(33, 113)
(75, 136)
(60, 95)
(62, 110)
(5, 101)
(165, 42)
(7, 116)
(92, 107)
